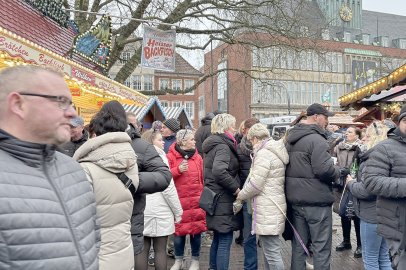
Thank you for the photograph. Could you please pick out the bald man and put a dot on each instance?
(47, 206)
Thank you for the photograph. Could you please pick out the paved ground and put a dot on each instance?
(340, 260)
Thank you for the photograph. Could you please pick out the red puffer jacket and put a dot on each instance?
(189, 186)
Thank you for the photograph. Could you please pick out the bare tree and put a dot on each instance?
(253, 24)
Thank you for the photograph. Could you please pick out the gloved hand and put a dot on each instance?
(237, 206)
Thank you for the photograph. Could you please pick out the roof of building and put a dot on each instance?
(21, 18)
(181, 67)
(383, 24)
(141, 111)
(176, 112)
(343, 119)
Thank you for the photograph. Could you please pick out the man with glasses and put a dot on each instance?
(47, 206)
(309, 177)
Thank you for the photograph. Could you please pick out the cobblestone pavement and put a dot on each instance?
(340, 260)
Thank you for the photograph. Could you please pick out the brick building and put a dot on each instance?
(279, 80)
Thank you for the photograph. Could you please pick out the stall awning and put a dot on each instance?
(180, 114)
(16, 50)
(141, 111)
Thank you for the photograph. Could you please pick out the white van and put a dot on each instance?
(278, 125)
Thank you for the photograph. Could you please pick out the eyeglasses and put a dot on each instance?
(63, 102)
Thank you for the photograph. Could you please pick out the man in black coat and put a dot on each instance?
(385, 176)
(309, 177)
(154, 176)
(78, 136)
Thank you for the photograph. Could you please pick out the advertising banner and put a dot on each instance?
(363, 73)
(158, 49)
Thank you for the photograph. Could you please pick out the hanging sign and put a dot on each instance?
(158, 49)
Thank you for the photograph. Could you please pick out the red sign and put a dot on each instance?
(83, 76)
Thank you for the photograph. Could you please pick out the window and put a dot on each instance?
(365, 39)
(289, 59)
(339, 63)
(176, 104)
(177, 85)
(385, 41)
(137, 82)
(163, 84)
(188, 84)
(222, 87)
(402, 43)
(190, 109)
(347, 37)
(201, 107)
(147, 82)
(165, 103)
(124, 57)
(128, 82)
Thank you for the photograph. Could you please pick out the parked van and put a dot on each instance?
(278, 125)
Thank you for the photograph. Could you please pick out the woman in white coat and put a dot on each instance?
(162, 210)
(265, 188)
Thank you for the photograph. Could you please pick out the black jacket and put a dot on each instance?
(386, 177)
(154, 176)
(221, 175)
(310, 172)
(244, 151)
(365, 202)
(203, 132)
(70, 148)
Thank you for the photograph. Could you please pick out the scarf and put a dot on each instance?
(186, 154)
(230, 135)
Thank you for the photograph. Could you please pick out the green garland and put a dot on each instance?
(52, 9)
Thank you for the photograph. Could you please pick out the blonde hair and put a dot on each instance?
(377, 132)
(150, 135)
(221, 123)
(183, 135)
(258, 131)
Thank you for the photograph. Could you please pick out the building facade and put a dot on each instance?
(149, 81)
(356, 48)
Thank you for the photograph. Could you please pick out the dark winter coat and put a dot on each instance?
(203, 132)
(221, 175)
(189, 186)
(168, 141)
(244, 151)
(365, 202)
(70, 148)
(154, 176)
(310, 172)
(386, 177)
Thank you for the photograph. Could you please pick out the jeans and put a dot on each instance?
(195, 243)
(271, 245)
(375, 252)
(220, 250)
(313, 223)
(250, 242)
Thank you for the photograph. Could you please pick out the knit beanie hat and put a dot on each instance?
(172, 124)
(402, 113)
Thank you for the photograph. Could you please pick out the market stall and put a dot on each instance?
(90, 90)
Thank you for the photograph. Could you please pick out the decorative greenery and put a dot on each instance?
(52, 9)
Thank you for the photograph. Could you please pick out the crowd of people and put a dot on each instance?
(108, 196)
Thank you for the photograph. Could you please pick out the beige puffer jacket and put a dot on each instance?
(265, 185)
(102, 158)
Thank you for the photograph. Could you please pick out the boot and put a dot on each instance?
(343, 246)
(178, 265)
(194, 265)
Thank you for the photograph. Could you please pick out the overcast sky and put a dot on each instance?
(387, 6)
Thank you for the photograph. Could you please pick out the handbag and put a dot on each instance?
(208, 200)
(346, 206)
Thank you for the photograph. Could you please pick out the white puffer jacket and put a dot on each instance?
(102, 158)
(265, 185)
(162, 208)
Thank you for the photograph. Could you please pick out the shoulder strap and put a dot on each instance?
(127, 182)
